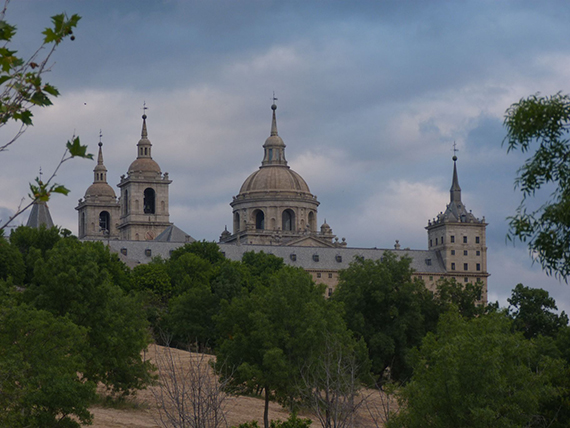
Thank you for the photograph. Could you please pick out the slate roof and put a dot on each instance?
(174, 234)
(39, 215)
(144, 251)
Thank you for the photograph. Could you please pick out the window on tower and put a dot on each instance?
(288, 220)
(104, 221)
(452, 239)
(260, 220)
(149, 205)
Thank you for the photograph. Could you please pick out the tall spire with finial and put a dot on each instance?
(100, 172)
(144, 145)
(274, 146)
(274, 121)
(455, 191)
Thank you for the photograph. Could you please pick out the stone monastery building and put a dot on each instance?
(275, 212)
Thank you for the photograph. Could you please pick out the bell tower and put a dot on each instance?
(459, 237)
(144, 195)
(99, 210)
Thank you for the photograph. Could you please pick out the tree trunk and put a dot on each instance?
(266, 411)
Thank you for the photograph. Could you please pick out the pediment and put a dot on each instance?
(309, 241)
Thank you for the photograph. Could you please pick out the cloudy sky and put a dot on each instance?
(371, 97)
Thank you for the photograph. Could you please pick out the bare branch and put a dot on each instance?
(190, 395)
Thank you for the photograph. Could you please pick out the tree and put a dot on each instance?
(22, 88)
(533, 312)
(189, 393)
(387, 308)
(545, 122)
(465, 297)
(40, 370)
(11, 262)
(331, 383)
(477, 373)
(77, 280)
(267, 335)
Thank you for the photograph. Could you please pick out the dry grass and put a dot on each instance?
(141, 411)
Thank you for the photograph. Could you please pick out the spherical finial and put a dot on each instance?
(144, 116)
(273, 107)
(100, 144)
(454, 158)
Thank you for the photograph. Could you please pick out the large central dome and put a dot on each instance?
(274, 175)
(271, 179)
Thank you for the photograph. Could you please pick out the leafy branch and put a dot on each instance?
(42, 190)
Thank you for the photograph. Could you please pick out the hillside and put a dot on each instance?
(142, 410)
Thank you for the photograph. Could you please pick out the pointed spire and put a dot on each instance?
(274, 146)
(144, 133)
(100, 172)
(144, 145)
(274, 121)
(455, 191)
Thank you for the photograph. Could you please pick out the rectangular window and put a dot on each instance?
(478, 252)
(465, 252)
(315, 257)
(465, 279)
(465, 266)
(148, 252)
(293, 257)
(476, 239)
(428, 262)
(478, 266)
(431, 278)
(452, 266)
(330, 292)
(430, 243)
(452, 252)
(452, 239)
(435, 241)
(338, 258)
(318, 274)
(330, 275)
(465, 239)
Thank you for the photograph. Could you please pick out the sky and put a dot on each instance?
(372, 95)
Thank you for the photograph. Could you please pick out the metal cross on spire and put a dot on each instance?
(455, 150)
(274, 98)
(145, 108)
(100, 137)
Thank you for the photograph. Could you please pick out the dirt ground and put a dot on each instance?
(142, 411)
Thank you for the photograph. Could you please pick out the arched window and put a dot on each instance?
(260, 220)
(288, 220)
(104, 221)
(126, 201)
(312, 221)
(149, 201)
(236, 222)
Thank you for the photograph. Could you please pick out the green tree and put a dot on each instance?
(41, 384)
(465, 297)
(534, 312)
(543, 122)
(388, 308)
(76, 280)
(266, 336)
(208, 251)
(477, 373)
(11, 262)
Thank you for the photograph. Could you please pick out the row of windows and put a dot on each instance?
(466, 252)
(319, 275)
(466, 266)
(452, 239)
(316, 257)
(466, 279)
